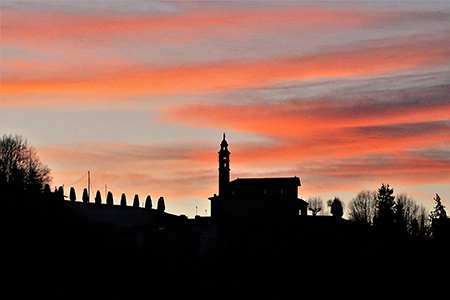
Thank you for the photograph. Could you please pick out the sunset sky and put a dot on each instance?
(344, 95)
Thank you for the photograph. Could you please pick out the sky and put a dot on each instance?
(344, 95)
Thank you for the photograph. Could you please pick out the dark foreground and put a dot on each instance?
(48, 249)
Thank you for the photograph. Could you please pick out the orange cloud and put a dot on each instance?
(314, 116)
(22, 25)
(344, 145)
(330, 128)
(228, 76)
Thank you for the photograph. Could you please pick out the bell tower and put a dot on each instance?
(224, 167)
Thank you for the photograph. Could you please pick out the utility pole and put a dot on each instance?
(89, 185)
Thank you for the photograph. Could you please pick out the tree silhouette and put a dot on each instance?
(409, 216)
(424, 222)
(439, 219)
(315, 205)
(148, 202)
(385, 206)
(400, 214)
(60, 193)
(329, 203)
(415, 227)
(85, 196)
(98, 197)
(362, 208)
(439, 209)
(21, 171)
(110, 199)
(47, 191)
(337, 209)
(123, 200)
(161, 205)
(72, 195)
(136, 201)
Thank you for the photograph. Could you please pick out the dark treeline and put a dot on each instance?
(58, 194)
(50, 249)
(109, 199)
(400, 214)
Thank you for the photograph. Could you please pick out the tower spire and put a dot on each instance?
(224, 167)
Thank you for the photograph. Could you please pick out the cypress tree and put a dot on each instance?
(136, 201)
(60, 194)
(98, 198)
(85, 196)
(161, 205)
(110, 199)
(148, 202)
(47, 190)
(73, 195)
(123, 200)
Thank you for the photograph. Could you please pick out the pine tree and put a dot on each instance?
(385, 206)
(439, 222)
(336, 208)
(439, 209)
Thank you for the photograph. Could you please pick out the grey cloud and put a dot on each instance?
(405, 130)
(435, 154)
(97, 7)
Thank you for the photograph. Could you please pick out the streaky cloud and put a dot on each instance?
(231, 75)
(302, 118)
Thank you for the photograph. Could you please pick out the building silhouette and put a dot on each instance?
(254, 198)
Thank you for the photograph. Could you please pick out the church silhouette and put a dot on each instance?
(255, 198)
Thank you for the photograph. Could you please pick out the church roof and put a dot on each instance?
(267, 181)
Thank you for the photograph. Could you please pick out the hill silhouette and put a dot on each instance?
(258, 241)
(57, 247)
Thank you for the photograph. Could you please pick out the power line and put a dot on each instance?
(84, 176)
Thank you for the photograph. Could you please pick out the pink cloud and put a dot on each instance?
(364, 61)
(23, 25)
(314, 117)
